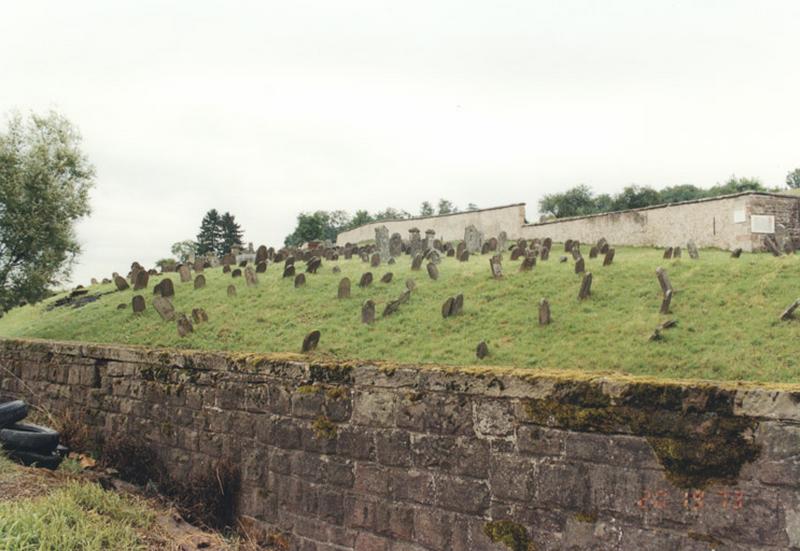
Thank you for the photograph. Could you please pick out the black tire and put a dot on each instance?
(29, 437)
(11, 412)
(32, 459)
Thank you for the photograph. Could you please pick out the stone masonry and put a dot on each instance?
(363, 456)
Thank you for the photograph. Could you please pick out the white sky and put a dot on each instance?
(268, 108)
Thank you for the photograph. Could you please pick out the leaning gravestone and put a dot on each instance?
(250, 276)
(433, 271)
(395, 245)
(231, 290)
(368, 312)
(199, 315)
(138, 304)
(460, 248)
(410, 285)
(199, 281)
(586, 286)
(772, 245)
(665, 302)
(366, 280)
(310, 342)
(344, 288)
(736, 253)
(164, 308)
(185, 273)
(482, 351)
(692, 250)
(387, 277)
(299, 280)
(184, 326)
(140, 280)
(496, 266)
(663, 280)
(544, 312)
(609, 258)
(789, 312)
(473, 238)
(416, 264)
(447, 307)
(579, 266)
(382, 241)
(120, 282)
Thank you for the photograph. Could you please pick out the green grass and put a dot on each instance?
(727, 310)
(75, 516)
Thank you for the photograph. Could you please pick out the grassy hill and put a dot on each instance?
(727, 311)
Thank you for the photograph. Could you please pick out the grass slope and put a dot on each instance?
(727, 311)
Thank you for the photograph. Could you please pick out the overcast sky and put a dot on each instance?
(266, 108)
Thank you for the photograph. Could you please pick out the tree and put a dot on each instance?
(684, 192)
(45, 180)
(793, 179)
(736, 185)
(573, 202)
(230, 234)
(426, 209)
(392, 214)
(184, 250)
(635, 197)
(210, 236)
(310, 227)
(446, 207)
(472, 207)
(360, 218)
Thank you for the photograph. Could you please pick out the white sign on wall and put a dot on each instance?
(739, 216)
(762, 223)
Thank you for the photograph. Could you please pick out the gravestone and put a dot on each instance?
(184, 326)
(199, 281)
(299, 280)
(544, 254)
(185, 273)
(788, 247)
(482, 351)
(676, 252)
(576, 250)
(238, 273)
(516, 253)
(288, 271)
(496, 266)
(344, 288)
(736, 253)
(226, 269)
(166, 289)
(458, 305)
(579, 266)
(199, 315)
(121, 306)
(138, 304)
(243, 263)
(486, 248)
(120, 282)
(568, 245)
(429, 238)
(433, 271)
(390, 261)
(414, 242)
(789, 312)
(310, 342)
(692, 248)
(261, 267)
(410, 285)
(447, 307)
(394, 305)
(228, 259)
(289, 261)
(609, 258)
(493, 245)
(547, 243)
(366, 280)
(586, 286)
(395, 245)
(336, 270)
(368, 312)
(433, 256)
(522, 244)
(140, 280)
(199, 265)
(464, 256)
(460, 248)
(502, 239)
(562, 259)
(544, 312)
(665, 302)
(94, 281)
(231, 290)
(668, 253)
(164, 308)
(604, 248)
(473, 238)
(387, 277)
(313, 265)
(663, 280)
(528, 263)
(416, 264)
(593, 252)
(451, 252)
(261, 254)
(602, 244)
(375, 261)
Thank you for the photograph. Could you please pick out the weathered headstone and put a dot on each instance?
(547, 243)
(261, 254)
(429, 238)
(313, 265)
(185, 273)
(593, 252)
(199, 315)
(184, 326)
(568, 245)
(121, 306)
(120, 282)
(375, 261)
(502, 239)
(736, 253)
(460, 248)
(586, 286)
(433, 271)
(366, 280)
(692, 248)
(602, 243)
(516, 253)
(368, 312)
(395, 245)
(138, 304)
(310, 342)
(458, 305)
(344, 288)
(231, 290)
(579, 266)
(609, 258)
(528, 263)
(663, 280)
(433, 256)
(387, 277)
(544, 254)
(94, 281)
(415, 244)
(140, 280)
(336, 270)
(482, 351)
(473, 238)
(665, 302)
(676, 252)
(789, 312)
(226, 269)
(199, 281)
(164, 308)
(199, 264)
(451, 252)
(464, 256)
(576, 250)
(486, 248)
(288, 271)
(668, 253)
(165, 288)
(410, 285)
(447, 307)
(394, 305)
(562, 259)
(238, 272)
(544, 312)
(299, 280)
(261, 267)
(496, 266)
(416, 264)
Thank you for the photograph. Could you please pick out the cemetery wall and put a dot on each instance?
(708, 222)
(448, 227)
(361, 456)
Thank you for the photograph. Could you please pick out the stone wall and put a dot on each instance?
(357, 456)
(448, 227)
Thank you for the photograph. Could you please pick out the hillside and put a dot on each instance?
(727, 312)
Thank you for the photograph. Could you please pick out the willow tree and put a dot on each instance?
(45, 180)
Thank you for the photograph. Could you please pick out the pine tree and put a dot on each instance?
(210, 237)
(231, 234)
